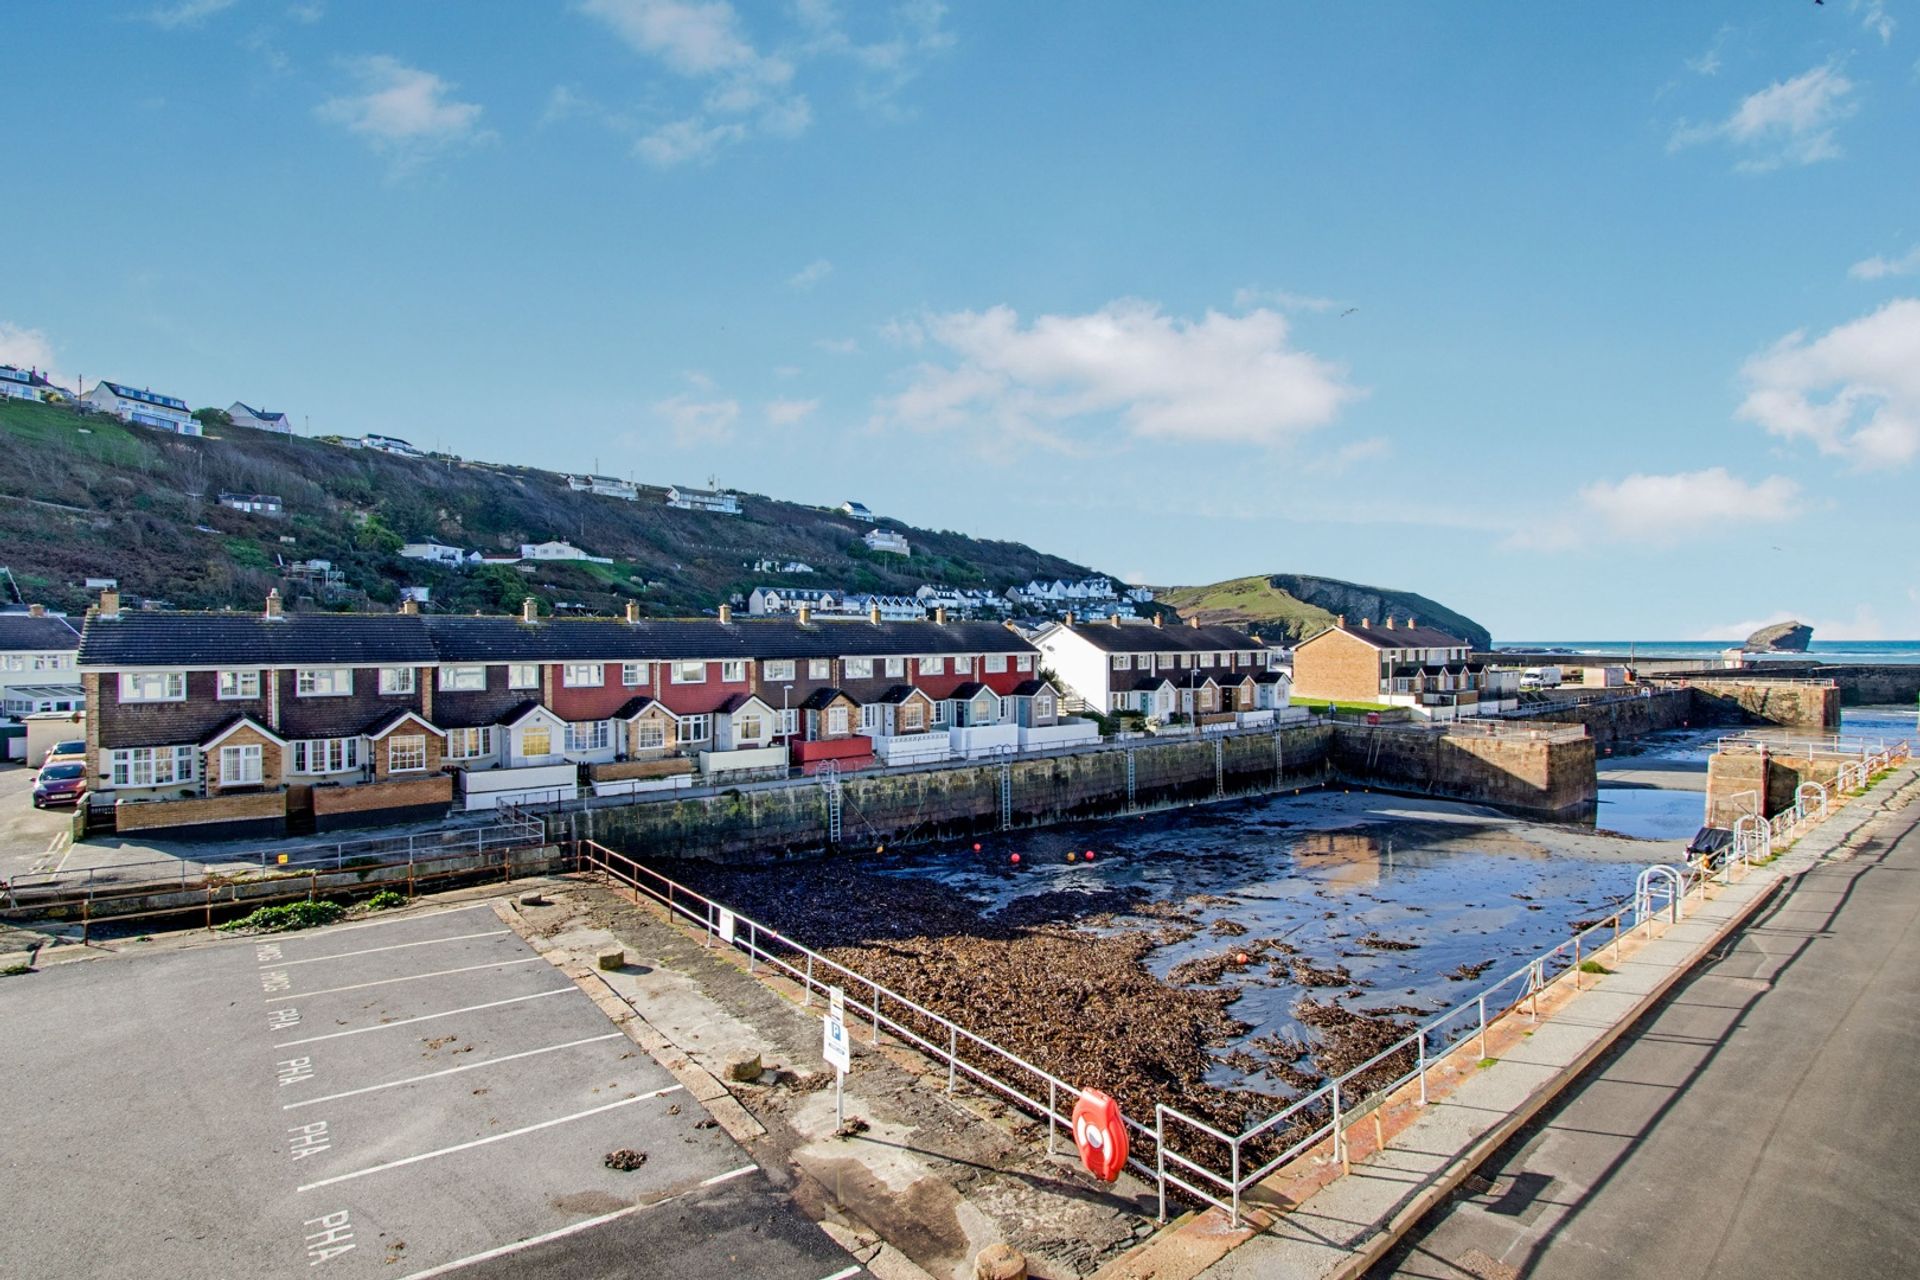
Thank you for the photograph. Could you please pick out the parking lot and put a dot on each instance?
(401, 1097)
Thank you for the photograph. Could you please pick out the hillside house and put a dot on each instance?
(1156, 670)
(888, 541)
(890, 608)
(384, 444)
(781, 566)
(559, 551)
(29, 384)
(144, 408)
(245, 415)
(605, 486)
(855, 510)
(259, 504)
(763, 601)
(1140, 595)
(717, 501)
(439, 553)
(1398, 664)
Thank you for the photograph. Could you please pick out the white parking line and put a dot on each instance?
(424, 915)
(450, 1071)
(843, 1273)
(426, 1017)
(587, 1224)
(488, 1140)
(412, 977)
(398, 946)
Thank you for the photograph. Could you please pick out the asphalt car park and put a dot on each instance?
(401, 1097)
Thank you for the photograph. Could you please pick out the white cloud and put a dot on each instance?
(307, 11)
(1854, 391)
(24, 348)
(1281, 299)
(1875, 18)
(1663, 508)
(402, 111)
(685, 140)
(187, 13)
(695, 421)
(1788, 122)
(811, 274)
(1708, 63)
(695, 39)
(1878, 268)
(787, 413)
(1223, 377)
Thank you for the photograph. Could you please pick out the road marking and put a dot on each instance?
(424, 915)
(428, 1017)
(334, 1237)
(489, 1139)
(305, 1140)
(843, 1273)
(586, 1224)
(399, 946)
(415, 977)
(471, 1066)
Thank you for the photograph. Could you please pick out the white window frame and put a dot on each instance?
(338, 755)
(819, 668)
(913, 717)
(241, 765)
(633, 674)
(963, 666)
(1042, 705)
(696, 728)
(689, 673)
(308, 682)
(153, 686)
(942, 713)
(236, 686)
(996, 663)
(583, 675)
(1024, 662)
(933, 666)
(470, 743)
(161, 766)
(776, 670)
(588, 735)
(1122, 662)
(857, 668)
(414, 745)
(652, 736)
(733, 671)
(837, 720)
(748, 726)
(463, 678)
(896, 667)
(870, 717)
(789, 721)
(398, 680)
(521, 675)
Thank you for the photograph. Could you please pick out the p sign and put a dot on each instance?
(1101, 1134)
(836, 1049)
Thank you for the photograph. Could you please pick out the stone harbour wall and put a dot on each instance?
(1802, 706)
(1548, 774)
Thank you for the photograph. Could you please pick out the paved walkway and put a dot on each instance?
(1761, 1124)
(1336, 1228)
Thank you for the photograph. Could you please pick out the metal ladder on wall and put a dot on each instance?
(1219, 768)
(829, 777)
(1006, 797)
(1132, 804)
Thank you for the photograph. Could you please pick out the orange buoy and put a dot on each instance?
(1101, 1134)
(1241, 958)
(1069, 855)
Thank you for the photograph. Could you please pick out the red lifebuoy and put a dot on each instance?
(1101, 1134)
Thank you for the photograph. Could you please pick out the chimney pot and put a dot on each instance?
(1366, 623)
(1389, 622)
(633, 611)
(940, 614)
(529, 610)
(1340, 621)
(873, 614)
(109, 603)
(726, 615)
(1114, 619)
(1409, 621)
(1159, 620)
(36, 611)
(273, 603)
(1194, 622)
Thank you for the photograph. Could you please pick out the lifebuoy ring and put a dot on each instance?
(1101, 1134)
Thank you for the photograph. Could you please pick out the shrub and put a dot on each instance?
(386, 900)
(287, 916)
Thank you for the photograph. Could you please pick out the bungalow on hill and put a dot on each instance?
(559, 551)
(28, 384)
(717, 501)
(245, 415)
(439, 553)
(763, 601)
(259, 504)
(782, 566)
(143, 408)
(605, 486)
(887, 541)
(855, 510)
(1400, 663)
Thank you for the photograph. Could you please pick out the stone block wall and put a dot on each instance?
(1804, 706)
(238, 812)
(1548, 775)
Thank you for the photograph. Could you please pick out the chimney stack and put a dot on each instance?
(873, 613)
(1389, 622)
(110, 603)
(1194, 622)
(1340, 621)
(529, 610)
(1114, 619)
(1069, 617)
(273, 603)
(806, 615)
(940, 614)
(36, 611)
(409, 606)
(633, 611)
(1366, 624)
(1410, 622)
(726, 615)
(1159, 619)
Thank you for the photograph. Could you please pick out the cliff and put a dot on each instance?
(1298, 605)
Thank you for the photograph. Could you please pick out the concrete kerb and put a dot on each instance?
(1190, 1244)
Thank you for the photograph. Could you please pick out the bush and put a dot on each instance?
(287, 916)
(386, 900)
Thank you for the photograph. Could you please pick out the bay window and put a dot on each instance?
(151, 766)
(588, 735)
(696, 728)
(326, 755)
(469, 744)
(406, 753)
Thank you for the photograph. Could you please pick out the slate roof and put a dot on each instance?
(968, 691)
(1383, 637)
(146, 397)
(899, 693)
(264, 415)
(1144, 637)
(820, 699)
(1030, 688)
(632, 707)
(47, 633)
(164, 639)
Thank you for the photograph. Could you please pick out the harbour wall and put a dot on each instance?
(1737, 779)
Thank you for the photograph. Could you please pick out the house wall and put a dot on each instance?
(1083, 669)
(599, 701)
(1337, 666)
(481, 706)
(405, 799)
(343, 716)
(272, 764)
(380, 748)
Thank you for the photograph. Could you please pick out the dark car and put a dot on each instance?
(60, 784)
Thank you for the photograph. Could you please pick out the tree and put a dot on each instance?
(213, 417)
(376, 536)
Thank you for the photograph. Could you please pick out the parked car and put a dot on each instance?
(73, 749)
(62, 783)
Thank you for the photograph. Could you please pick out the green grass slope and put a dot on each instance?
(82, 495)
(1300, 605)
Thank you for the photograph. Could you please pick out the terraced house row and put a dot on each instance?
(230, 722)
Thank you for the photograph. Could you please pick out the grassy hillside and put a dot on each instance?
(1301, 605)
(89, 497)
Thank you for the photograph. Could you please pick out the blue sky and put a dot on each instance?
(1592, 322)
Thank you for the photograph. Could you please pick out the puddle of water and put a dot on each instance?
(1649, 813)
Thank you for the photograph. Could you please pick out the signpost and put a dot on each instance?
(838, 1051)
(725, 926)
